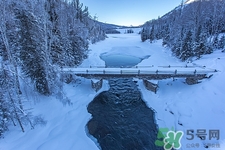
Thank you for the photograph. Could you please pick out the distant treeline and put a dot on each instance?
(112, 31)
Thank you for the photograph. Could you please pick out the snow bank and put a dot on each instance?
(66, 125)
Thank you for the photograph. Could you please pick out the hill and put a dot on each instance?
(113, 29)
(190, 30)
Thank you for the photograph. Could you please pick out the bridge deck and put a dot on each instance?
(141, 72)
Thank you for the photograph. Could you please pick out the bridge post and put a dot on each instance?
(96, 85)
(150, 86)
(191, 81)
(195, 80)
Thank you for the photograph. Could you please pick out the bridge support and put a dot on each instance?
(195, 80)
(150, 86)
(96, 85)
(191, 81)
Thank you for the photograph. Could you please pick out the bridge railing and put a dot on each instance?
(139, 71)
(151, 66)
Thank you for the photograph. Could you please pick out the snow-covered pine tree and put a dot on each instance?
(166, 37)
(177, 48)
(152, 34)
(32, 54)
(186, 51)
(221, 44)
(54, 41)
(5, 107)
(216, 42)
(144, 35)
(198, 45)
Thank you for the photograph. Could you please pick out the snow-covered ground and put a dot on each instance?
(199, 106)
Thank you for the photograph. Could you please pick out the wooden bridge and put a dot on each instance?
(192, 73)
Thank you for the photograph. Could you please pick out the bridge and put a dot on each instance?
(192, 74)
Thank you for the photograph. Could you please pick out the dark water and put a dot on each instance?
(121, 120)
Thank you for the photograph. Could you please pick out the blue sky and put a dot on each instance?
(129, 12)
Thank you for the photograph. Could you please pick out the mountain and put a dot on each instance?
(113, 29)
(189, 1)
(106, 26)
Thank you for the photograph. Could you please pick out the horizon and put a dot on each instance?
(129, 13)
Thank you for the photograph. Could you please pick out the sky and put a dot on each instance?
(129, 12)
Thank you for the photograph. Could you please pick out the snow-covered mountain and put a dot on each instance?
(189, 1)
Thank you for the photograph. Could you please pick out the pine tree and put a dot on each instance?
(221, 44)
(32, 54)
(144, 35)
(4, 112)
(186, 51)
(54, 36)
(7, 101)
(179, 44)
(216, 42)
(199, 43)
(166, 36)
(10, 85)
(152, 34)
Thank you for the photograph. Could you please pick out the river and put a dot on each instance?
(121, 120)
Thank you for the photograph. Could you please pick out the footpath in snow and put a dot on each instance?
(176, 104)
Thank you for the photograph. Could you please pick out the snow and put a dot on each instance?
(66, 125)
(153, 81)
(199, 106)
(190, 1)
(95, 80)
(127, 50)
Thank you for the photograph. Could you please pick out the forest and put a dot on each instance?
(37, 39)
(190, 30)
